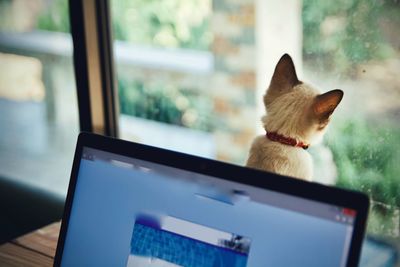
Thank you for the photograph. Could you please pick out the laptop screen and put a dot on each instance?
(131, 212)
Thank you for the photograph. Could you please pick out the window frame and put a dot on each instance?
(92, 46)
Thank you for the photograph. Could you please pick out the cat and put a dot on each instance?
(297, 116)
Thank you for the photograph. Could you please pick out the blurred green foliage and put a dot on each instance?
(170, 24)
(4, 18)
(336, 34)
(383, 220)
(341, 34)
(55, 17)
(166, 104)
(367, 158)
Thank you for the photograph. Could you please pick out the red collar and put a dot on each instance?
(274, 136)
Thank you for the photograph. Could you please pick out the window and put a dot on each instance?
(164, 67)
(39, 115)
(352, 45)
(191, 75)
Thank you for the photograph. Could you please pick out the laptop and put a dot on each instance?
(132, 205)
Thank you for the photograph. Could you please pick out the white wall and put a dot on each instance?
(278, 31)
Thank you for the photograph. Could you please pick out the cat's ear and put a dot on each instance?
(284, 78)
(326, 103)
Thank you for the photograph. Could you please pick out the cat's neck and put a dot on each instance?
(291, 128)
(286, 127)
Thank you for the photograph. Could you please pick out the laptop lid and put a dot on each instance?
(134, 205)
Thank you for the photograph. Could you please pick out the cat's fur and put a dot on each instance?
(296, 110)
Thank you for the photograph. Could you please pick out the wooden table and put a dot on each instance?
(35, 249)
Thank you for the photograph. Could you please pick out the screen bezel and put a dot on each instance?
(270, 181)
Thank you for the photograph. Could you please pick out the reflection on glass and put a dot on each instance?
(37, 94)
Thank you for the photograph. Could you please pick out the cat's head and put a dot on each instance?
(295, 108)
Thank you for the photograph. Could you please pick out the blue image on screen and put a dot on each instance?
(157, 243)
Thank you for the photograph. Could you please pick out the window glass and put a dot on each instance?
(164, 65)
(39, 115)
(191, 76)
(354, 45)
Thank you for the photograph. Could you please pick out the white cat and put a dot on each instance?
(297, 116)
